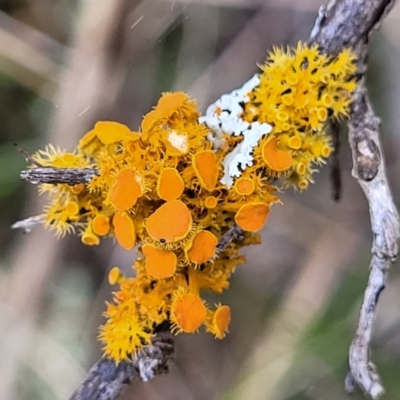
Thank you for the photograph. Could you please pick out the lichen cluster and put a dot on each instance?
(169, 189)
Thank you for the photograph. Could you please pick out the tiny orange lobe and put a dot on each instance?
(124, 230)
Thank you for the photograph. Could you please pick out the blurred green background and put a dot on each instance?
(64, 64)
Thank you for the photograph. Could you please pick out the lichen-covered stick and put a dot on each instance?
(106, 380)
(368, 169)
(192, 190)
(70, 176)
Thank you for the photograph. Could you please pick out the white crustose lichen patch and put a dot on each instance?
(224, 117)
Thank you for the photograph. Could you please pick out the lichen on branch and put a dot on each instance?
(178, 187)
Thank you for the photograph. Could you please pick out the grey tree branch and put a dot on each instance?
(70, 176)
(369, 170)
(349, 23)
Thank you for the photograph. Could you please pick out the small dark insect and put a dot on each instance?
(163, 241)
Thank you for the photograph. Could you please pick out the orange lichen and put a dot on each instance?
(301, 168)
(170, 103)
(110, 132)
(203, 247)
(295, 142)
(101, 225)
(178, 188)
(211, 202)
(170, 222)
(114, 276)
(149, 121)
(221, 320)
(89, 238)
(170, 185)
(78, 188)
(72, 208)
(89, 138)
(188, 312)
(127, 188)
(244, 186)
(303, 184)
(124, 230)
(319, 149)
(251, 217)
(277, 160)
(160, 263)
(205, 165)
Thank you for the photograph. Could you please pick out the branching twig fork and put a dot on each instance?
(349, 23)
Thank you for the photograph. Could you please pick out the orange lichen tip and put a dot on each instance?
(114, 276)
(170, 185)
(205, 165)
(170, 103)
(160, 263)
(188, 312)
(89, 138)
(203, 247)
(101, 225)
(124, 230)
(126, 190)
(110, 132)
(78, 188)
(170, 222)
(244, 186)
(89, 238)
(72, 208)
(252, 217)
(295, 142)
(277, 160)
(221, 321)
(149, 121)
(211, 202)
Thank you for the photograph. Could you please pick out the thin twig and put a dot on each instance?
(336, 177)
(369, 170)
(349, 23)
(28, 156)
(70, 176)
(28, 224)
(234, 233)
